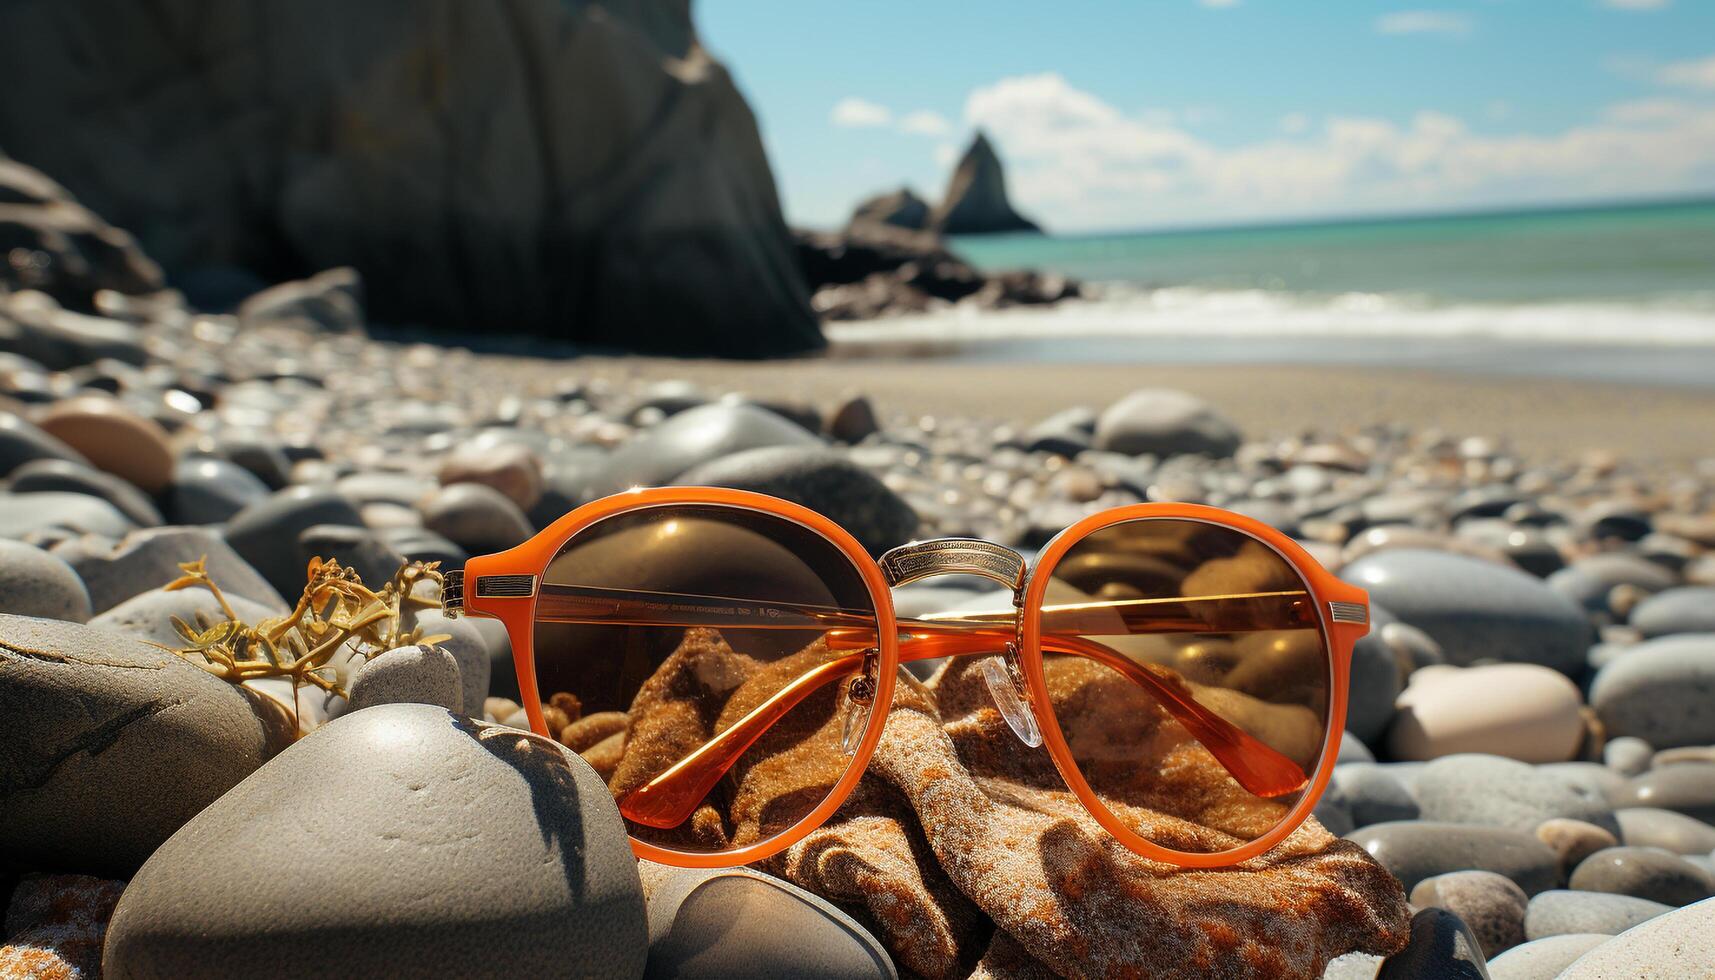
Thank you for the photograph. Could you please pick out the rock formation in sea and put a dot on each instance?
(574, 170)
(901, 208)
(976, 201)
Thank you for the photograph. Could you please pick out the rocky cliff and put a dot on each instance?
(581, 171)
(976, 201)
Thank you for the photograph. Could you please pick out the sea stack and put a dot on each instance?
(976, 202)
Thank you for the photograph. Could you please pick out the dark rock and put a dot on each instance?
(854, 421)
(1589, 581)
(1165, 422)
(422, 544)
(265, 458)
(1643, 872)
(357, 548)
(1415, 850)
(59, 338)
(71, 252)
(1441, 946)
(22, 442)
(1475, 609)
(265, 534)
(901, 208)
(821, 479)
(1065, 433)
(329, 301)
(657, 456)
(109, 744)
(209, 490)
(36, 583)
(63, 475)
(476, 517)
(976, 201)
(661, 211)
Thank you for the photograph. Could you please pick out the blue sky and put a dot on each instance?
(1188, 112)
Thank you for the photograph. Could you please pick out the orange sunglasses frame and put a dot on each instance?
(518, 615)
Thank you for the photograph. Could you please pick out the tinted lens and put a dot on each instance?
(706, 656)
(1189, 674)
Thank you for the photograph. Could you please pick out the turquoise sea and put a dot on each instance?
(1623, 291)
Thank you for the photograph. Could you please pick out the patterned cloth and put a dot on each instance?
(963, 851)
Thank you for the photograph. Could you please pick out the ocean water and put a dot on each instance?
(1621, 292)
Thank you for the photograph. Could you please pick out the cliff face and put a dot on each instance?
(577, 170)
(976, 201)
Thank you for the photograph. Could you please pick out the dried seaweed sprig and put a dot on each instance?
(336, 611)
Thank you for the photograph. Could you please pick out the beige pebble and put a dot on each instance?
(1573, 840)
(114, 438)
(512, 469)
(1521, 711)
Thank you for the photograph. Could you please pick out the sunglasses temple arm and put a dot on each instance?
(668, 799)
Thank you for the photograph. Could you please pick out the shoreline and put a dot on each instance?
(1538, 416)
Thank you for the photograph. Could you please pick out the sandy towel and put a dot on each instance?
(963, 851)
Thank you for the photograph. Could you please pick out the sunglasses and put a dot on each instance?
(725, 660)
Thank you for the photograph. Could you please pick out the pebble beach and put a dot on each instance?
(1530, 750)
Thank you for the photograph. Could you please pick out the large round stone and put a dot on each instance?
(1544, 959)
(1490, 904)
(1521, 711)
(1643, 872)
(1684, 787)
(1499, 792)
(1417, 849)
(1644, 826)
(265, 534)
(58, 513)
(64, 476)
(1476, 610)
(821, 479)
(148, 559)
(21, 442)
(402, 840)
(35, 583)
(209, 489)
(785, 931)
(109, 744)
(113, 438)
(1165, 422)
(656, 457)
(1678, 944)
(1690, 609)
(1662, 691)
(1557, 913)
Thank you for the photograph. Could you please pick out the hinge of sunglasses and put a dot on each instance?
(860, 698)
(452, 593)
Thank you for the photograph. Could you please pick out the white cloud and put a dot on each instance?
(1697, 73)
(1649, 111)
(856, 112)
(1078, 162)
(1636, 4)
(923, 122)
(1424, 22)
(1294, 123)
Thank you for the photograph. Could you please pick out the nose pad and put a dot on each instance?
(1005, 693)
(859, 701)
